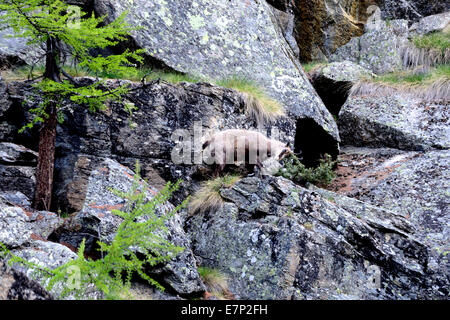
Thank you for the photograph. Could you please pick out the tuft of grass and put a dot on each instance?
(149, 74)
(435, 40)
(26, 72)
(423, 77)
(208, 198)
(427, 83)
(311, 66)
(427, 50)
(259, 105)
(216, 281)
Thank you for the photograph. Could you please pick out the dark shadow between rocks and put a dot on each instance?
(313, 142)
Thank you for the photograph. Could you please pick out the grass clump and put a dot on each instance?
(311, 66)
(149, 74)
(427, 83)
(216, 281)
(208, 197)
(28, 72)
(427, 50)
(142, 230)
(259, 105)
(436, 40)
(296, 171)
(415, 77)
(132, 74)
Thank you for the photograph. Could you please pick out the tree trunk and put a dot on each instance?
(47, 135)
(46, 162)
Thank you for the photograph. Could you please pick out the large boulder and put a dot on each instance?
(276, 240)
(15, 285)
(412, 184)
(96, 222)
(437, 22)
(333, 82)
(397, 120)
(412, 10)
(16, 52)
(322, 26)
(17, 169)
(163, 110)
(20, 225)
(25, 232)
(222, 39)
(379, 49)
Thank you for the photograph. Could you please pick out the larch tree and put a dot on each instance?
(63, 32)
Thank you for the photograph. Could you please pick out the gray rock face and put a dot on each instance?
(15, 52)
(18, 178)
(222, 39)
(412, 9)
(162, 109)
(419, 189)
(50, 255)
(345, 71)
(13, 154)
(25, 232)
(395, 121)
(4, 101)
(334, 81)
(431, 24)
(95, 221)
(14, 285)
(414, 185)
(322, 26)
(17, 169)
(379, 49)
(276, 240)
(286, 22)
(20, 225)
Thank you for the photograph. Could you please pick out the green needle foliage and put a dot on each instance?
(66, 33)
(139, 243)
(75, 37)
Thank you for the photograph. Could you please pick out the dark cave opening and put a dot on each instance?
(334, 94)
(313, 142)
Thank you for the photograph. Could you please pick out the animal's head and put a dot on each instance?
(284, 153)
(278, 149)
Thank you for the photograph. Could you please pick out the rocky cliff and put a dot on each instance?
(380, 231)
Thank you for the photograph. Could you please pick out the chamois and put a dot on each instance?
(242, 146)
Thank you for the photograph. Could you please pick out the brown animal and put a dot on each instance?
(241, 146)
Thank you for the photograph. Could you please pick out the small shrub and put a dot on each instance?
(259, 105)
(296, 171)
(208, 198)
(142, 230)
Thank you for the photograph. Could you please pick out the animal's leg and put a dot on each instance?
(259, 164)
(218, 170)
